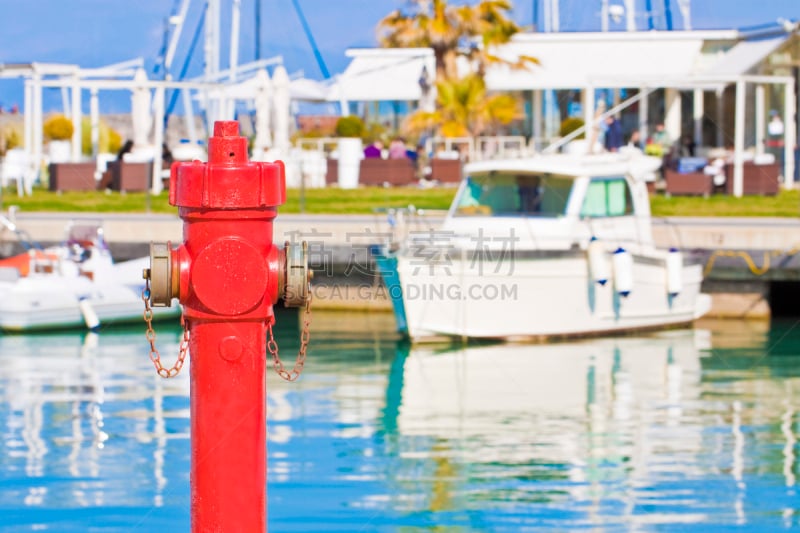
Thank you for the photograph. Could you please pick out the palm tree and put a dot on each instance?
(464, 109)
(450, 31)
(463, 106)
(489, 21)
(433, 24)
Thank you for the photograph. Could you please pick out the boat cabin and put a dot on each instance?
(555, 202)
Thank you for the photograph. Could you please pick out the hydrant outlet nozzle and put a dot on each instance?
(295, 274)
(163, 283)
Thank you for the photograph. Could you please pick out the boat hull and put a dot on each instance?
(63, 300)
(544, 295)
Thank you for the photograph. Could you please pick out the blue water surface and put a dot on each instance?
(684, 430)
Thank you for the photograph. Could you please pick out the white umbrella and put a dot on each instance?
(281, 102)
(140, 111)
(263, 95)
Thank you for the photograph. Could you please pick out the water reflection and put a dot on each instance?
(577, 424)
(75, 410)
(685, 428)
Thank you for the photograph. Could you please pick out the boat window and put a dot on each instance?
(607, 197)
(514, 195)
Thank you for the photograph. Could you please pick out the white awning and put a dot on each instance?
(383, 74)
(745, 56)
(610, 60)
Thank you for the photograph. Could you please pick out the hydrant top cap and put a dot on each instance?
(228, 180)
(226, 146)
(226, 128)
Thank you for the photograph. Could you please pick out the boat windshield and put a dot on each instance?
(499, 194)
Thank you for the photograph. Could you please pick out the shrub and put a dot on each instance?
(350, 126)
(569, 125)
(109, 140)
(375, 130)
(58, 128)
(13, 136)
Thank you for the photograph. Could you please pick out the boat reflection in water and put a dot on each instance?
(565, 422)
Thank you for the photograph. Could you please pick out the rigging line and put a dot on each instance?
(310, 37)
(196, 37)
(668, 14)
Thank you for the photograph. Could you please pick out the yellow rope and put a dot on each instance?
(755, 269)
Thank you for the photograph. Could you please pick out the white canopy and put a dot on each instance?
(610, 60)
(383, 74)
(745, 56)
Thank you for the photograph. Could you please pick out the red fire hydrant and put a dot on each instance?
(227, 274)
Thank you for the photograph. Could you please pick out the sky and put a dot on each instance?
(94, 33)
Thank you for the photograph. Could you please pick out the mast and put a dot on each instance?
(630, 13)
(685, 7)
(211, 51)
(234, 51)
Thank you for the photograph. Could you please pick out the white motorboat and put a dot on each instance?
(557, 245)
(74, 285)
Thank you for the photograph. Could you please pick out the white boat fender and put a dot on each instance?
(598, 263)
(674, 272)
(623, 271)
(89, 316)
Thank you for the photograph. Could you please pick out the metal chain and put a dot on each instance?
(305, 337)
(150, 335)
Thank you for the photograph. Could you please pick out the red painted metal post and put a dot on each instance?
(227, 273)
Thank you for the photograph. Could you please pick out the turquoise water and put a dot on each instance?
(682, 430)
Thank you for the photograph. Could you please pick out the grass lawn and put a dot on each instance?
(323, 201)
(785, 204)
(364, 200)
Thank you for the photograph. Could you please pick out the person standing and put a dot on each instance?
(775, 131)
(661, 137)
(613, 138)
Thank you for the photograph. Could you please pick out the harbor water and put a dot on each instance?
(692, 430)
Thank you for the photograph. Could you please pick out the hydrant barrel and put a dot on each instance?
(228, 274)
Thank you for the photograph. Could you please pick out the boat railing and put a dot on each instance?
(500, 147)
(25, 240)
(479, 148)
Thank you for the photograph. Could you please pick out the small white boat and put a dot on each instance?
(557, 245)
(74, 285)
